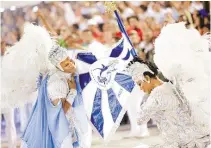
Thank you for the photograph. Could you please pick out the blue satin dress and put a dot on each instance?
(48, 125)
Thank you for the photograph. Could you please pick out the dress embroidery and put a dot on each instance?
(170, 110)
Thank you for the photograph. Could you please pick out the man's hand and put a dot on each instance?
(65, 105)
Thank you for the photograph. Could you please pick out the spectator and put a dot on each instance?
(156, 11)
(146, 45)
(134, 37)
(195, 5)
(92, 44)
(141, 11)
(133, 22)
(93, 27)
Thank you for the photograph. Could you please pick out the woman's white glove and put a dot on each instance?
(72, 90)
(71, 96)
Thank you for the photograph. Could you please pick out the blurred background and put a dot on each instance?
(76, 24)
(143, 20)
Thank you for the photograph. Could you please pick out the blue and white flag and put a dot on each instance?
(105, 86)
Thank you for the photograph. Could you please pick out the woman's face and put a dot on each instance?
(68, 65)
(145, 85)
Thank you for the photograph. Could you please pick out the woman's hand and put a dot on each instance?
(65, 105)
(71, 83)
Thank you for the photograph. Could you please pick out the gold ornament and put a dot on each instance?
(110, 7)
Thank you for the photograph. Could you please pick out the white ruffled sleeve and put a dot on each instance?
(57, 89)
(155, 102)
(148, 109)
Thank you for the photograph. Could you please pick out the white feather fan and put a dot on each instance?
(182, 54)
(22, 65)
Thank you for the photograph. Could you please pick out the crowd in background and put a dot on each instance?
(79, 22)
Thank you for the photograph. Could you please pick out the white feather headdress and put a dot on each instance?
(57, 55)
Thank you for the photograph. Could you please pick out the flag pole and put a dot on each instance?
(111, 7)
